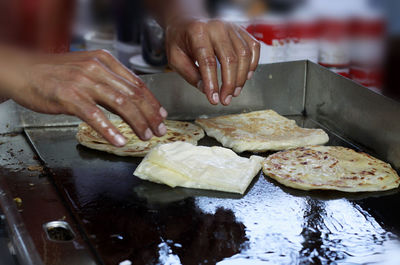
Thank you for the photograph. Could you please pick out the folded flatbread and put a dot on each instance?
(186, 165)
(260, 131)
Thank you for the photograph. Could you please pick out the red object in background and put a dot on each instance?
(341, 71)
(250, 29)
(368, 34)
(367, 77)
(302, 41)
(298, 30)
(334, 47)
(43, 25)
(272, 32)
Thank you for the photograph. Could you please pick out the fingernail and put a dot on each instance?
(162, 129)
(228, 99)
(121, 141)
(215, 98)
(200, 86)
(250, 75)
(237, 91)
(163, 112)
(148, 134)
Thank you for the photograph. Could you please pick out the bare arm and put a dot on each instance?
(191, 37)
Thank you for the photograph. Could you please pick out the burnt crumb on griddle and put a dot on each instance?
(18, 201)
(10, 152)
(35, 168)
(9, 134)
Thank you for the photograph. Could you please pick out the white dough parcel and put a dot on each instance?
(201, 167)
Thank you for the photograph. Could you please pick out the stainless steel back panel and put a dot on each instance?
(9, 117)
(276, 86)
(354, 112)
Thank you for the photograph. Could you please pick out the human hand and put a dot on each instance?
(206, 40)
(74, 83)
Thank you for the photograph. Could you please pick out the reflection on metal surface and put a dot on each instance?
(273, 228)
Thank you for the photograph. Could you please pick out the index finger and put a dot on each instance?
(93, 116)
(203, 53)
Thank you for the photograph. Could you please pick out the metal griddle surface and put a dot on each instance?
(126, 218)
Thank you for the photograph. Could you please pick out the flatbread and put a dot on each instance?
(260, 131)
(201, 167)
(176, 131)
(330, 168)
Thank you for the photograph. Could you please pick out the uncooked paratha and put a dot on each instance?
(201, 167)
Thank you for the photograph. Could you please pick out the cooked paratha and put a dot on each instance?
(176, 131)
(330, 168)
(260, 131)
(201, 167)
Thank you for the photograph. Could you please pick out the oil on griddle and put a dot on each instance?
(126, 218)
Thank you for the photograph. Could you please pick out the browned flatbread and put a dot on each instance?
(330, 168)
(176, 131)
(260, 131)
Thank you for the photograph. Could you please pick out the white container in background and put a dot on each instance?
(367, 51)
(334, 44)
(334, 32)
(271, 31)
(302, 41)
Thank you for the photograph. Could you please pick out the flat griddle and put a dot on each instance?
(116, 216)
(125, 218)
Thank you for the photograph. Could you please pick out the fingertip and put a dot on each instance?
(162, 129)
(119, 140)
(148, 134)
(250, 75)
(215, 98)
(228, 100)
(163, 112)
(237, 92)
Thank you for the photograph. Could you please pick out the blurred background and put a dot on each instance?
(358, 39)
